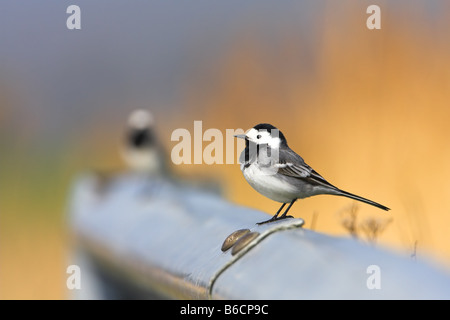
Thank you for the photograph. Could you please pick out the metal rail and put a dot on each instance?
(136, 237)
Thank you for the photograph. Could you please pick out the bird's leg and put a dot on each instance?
(278, 212)
(274, 217)
(283, 216)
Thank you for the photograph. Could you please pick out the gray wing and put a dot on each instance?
(292, 165)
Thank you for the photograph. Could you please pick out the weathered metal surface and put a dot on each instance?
(166, 239)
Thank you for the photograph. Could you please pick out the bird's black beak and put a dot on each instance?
(241, 136)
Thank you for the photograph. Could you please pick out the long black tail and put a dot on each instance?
(354, 196)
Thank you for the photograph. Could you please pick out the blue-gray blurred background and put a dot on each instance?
(367, 109)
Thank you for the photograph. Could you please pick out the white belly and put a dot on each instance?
(147, 160)
(270, 186)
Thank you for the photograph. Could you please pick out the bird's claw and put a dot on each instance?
(274, 219)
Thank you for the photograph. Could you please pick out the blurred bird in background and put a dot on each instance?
(142, 150)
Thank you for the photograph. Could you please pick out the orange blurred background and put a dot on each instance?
(367, 109)
(372, 119)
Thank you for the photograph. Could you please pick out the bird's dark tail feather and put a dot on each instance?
(355, 197)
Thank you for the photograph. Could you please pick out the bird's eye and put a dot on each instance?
(258, 136)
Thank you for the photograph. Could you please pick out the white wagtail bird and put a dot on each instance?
(142, 150)
(277, 172)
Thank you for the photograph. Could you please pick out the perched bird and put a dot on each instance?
(142, 150)
(277, 172)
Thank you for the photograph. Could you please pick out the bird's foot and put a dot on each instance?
(267, 221)
(274, 219)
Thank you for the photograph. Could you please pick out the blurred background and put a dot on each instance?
(368, 109)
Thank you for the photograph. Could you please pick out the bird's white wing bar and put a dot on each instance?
(302, 171)
(296, 171)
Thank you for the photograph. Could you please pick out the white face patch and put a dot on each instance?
(252, 134)
(264, 137)
(274, 143)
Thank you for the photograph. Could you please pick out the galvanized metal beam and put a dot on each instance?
(154, 238)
